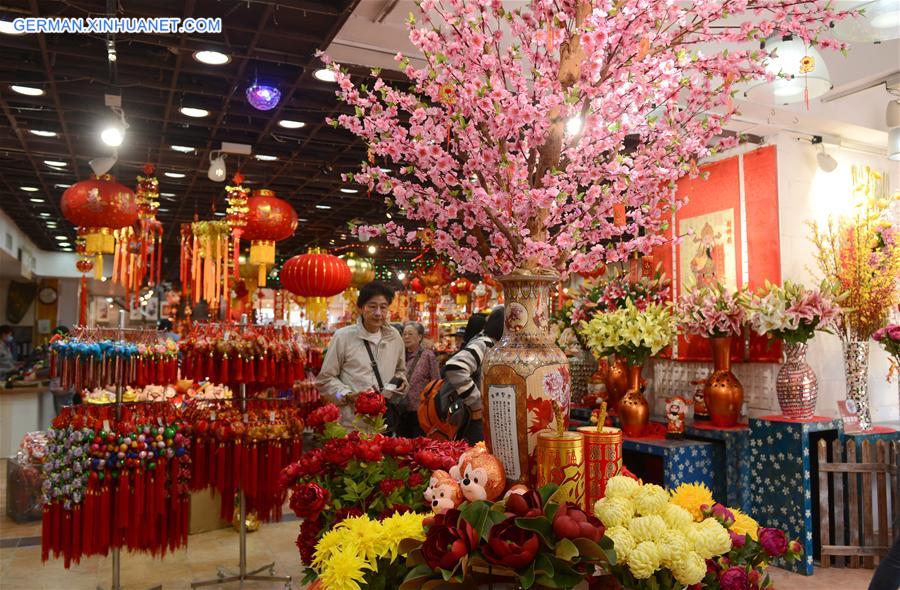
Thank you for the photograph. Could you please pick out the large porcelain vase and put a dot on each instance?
(523, 375)
(723, 393)
(796, 385)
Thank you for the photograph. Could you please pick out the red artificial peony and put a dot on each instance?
(307, 539)
(397, 447)
(773, 541)
(339, 451)
(737, 540)
(510, 546)
(387, 486)
(415, 479)
(571, 522)
(734, 578)
(369, 451)
(310, 463)
(448, 540)
(288, 476)
(371, 403)
(308, 500)
(430, 460)
(321, 416)
(526, 505)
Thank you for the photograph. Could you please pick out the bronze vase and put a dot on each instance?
(616, 382)
(523, 376)
(634, 411)
(723, 393)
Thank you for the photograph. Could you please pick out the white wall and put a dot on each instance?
(806, 193)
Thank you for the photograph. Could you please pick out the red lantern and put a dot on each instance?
(315, 274)
(99, 205)
(84, 265)
(269, 220)
(461, 288)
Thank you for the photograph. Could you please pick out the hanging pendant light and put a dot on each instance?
(801, 73)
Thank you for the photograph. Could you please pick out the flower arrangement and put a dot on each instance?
(889, 338)
(711, 312)
(511, 146)
(564, 333)
(859, 258)
(668, 541)
(629, 332)
(611, 293)
(361, 552)
(791, 312)
(527, 537)
(355, 474)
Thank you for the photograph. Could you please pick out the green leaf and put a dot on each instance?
(539, 524)
(566, 550)
(415, 577)
(550, 511)
(547, 491)
(527, 577)
(543, 564)
(476, 514)
(564, 576)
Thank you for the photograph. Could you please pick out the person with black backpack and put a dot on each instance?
(463, 372)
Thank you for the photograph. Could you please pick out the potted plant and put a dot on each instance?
(793, 314)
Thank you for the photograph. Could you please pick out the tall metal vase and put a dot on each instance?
(856, 370)
(796, 385)
(634, 411)
(723, 393)
(522, 376)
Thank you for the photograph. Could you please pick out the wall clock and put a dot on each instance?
(47, 295)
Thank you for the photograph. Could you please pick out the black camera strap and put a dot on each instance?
(374, 366)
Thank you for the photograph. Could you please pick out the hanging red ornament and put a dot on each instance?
(269, 220)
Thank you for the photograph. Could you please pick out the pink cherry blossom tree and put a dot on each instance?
(481, 148)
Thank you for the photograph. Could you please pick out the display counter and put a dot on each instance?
(23, 409)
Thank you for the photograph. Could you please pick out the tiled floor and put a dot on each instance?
(21, 567)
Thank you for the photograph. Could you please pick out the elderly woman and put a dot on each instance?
(421, 367)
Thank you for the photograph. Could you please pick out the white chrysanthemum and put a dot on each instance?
(614, 511)
(677, 517)
(623, 542)
(650, 499)
(647, 528)
(643, 560)
(689, 569)
(709, 538)
(672, 546)
(622, 486)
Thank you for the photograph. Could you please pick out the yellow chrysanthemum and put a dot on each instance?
(613, 511)
(672, 545)
(650, 499)
(691, 496)
(647, 528)
(336, 538)
(689, 569)
(643, 560)
(709, 538)
(398, 527)
(343, 570)
(676, 517)
(622, 486)
(368, 537)
(623, 542)
(744, 524)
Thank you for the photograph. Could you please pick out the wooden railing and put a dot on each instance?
(847, 486)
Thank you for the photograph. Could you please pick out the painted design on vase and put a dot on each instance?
(518, 376)
(796, 384)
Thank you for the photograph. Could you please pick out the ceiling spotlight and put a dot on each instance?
(66, 249)
(55, 163)
(44, 214)
(184, 149)
(162, 210)
(42, 133)
(27, 90)
(62, 185)
(826, 162)
(799, 69)
(29, 189)
(113, 135)
(192, 112)
(401, 275)
(213, 58)
(173, 174)
(573, 125)
(111, 51)
(61, 238)
(219, 214)
(8, 28)
(36, 200)
(288, 124)
(385, 170)
(64, 244)
(372, 249)
(262, 97)
(349, 191)
(325, 75)
(388, 215)
(265, 158)
(217, 170)
(101, 166)
(303, 219)
(323, 206)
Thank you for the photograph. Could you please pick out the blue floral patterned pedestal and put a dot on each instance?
(683, 461)
(737, 460)
(878, 433)
(782, 483)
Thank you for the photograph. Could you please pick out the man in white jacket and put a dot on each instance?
(348, 368)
